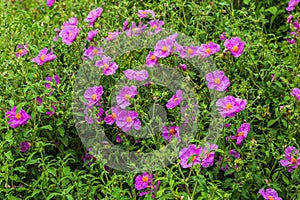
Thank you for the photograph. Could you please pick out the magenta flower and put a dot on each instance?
(93, 16)
(269, 194)
(100, 114)
(88, 157)
(93, 51)
(151, 59)
(234, 153)
(128, 119)
(156, 25)
(135, 30)
(168, 133)
(296, 93)
(242, 133)
(50, 3)
(182, 67)
(146, 13)
(292, 159)
(190, 51)
(289, 19)
(93, 94)
(69, 34)
(39, 100)
(223, 36)
(91, 35)
(189, 156)
(209, 155)
(292, 4)
(123, 98)
(112, 35)
(22, 50)
(235, 46)
(209, 49)
(296, 26)
(163, 48)
(136, 75)
(118, 138)
(291, 41)
(125, 24)
(143, 181)
(217, 80)
(175, 100)
(17, 119)
(24, 146)
(109, 68)
(50, 113)
(112, 115)
(49, 80)
(73, 21)
(230, 106)
(44, 56)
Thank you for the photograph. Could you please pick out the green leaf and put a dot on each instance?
(52, 171)
(21, 169)
(272, 10)
(285, 179)
(49, 127)
(271, 122)
(8, 155)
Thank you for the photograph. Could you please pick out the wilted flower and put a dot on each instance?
(230, 106)
(93, 94)
(136, 75)
(145, 13)
(206, 50)
(269, 194)
(189, 156)
(223, 36)
(217, 80)
(93, 16)
(24, 146)
(125, 24)
(235, 46)
(123, 98)
(135, 30)
(296, 93)
(88, 157)
(234, 153)
(169, 132)
(22, 50)
(17, 119)
(242, 133)
(50, 113)
(292, 159)
(190, 51)
(175, 100)
(100, 114)
(289, 19)
(151, 59)
(127, 119)
(92, 34)
(44, 56)
(182, 67)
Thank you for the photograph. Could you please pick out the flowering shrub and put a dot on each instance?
(47, 147)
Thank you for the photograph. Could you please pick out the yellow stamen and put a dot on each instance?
(94, 97)
(176, 99)
(128, 119)
(217, 81)
(106, 66)
(164, 48)
(235, 49)
(20, 51)
(172, 131)
(135, 30)
(62, 27)
(70, 34)
(43, 57)
(208, 51)
(174, 48)
(95, 51)
(127, 96)
(110, 36)
(144, 12)
(194, 158)
(190, 51)
(114, 115)
(270, 198)
(145, 179)
(241, 133)
(229, 106)
(152, 57)
(18, 116)
(154, 26)
(294, 160)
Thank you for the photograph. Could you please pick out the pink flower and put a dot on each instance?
(209, 155)
(92, 34)
(292, 159)
(69, 34)
(93, 51)
(112, 35)
(209, 49)
(217, 80)
(125, 24)
(22, 50)
(168, 133)
(296, 26)
(93, 16)
(289, 19)
(50, 3)
(163, 48)
(17, 119)
(223, 36)
(135, 30)
(296, 93)
(128, 119)
(292, 4)
(44, 56)
(269, 194)
(145, 13)
(190, 51)
(143, 181)
(151, 59)
(230, 106)
(182, 67)
(235, 46)
(156, 25)
(24, 146)
(50, 112)
(291, 41)
(175, 100)
(109, 68)
(136, 75)
(242, 133)
(189, 156)
(124, 96)
(93, 94)
(111, 115)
